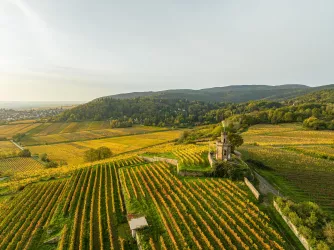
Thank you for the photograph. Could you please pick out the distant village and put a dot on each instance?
(9, 115)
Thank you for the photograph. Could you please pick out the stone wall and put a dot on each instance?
(190, 173)
(237, 154)
(210, 158)
(155, 158)
(252, 188)
(175, 163)
(293, 228)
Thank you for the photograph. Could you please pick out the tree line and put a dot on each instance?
(315, 110)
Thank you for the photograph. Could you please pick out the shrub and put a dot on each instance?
(311, 222)
(43, 157)
(231, 171)
(51, 164)
(329, 232)
(18, 137)
(25, 153)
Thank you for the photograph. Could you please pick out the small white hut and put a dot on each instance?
(136, 224)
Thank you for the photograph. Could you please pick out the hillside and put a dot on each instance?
(157, 110)
(322, 96)
(240, 93)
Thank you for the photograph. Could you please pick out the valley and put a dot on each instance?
(164, 174)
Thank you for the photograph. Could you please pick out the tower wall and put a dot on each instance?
(219, 151)
(223, 148)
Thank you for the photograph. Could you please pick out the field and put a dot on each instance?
(49, 133)
(68, 127)
(86, 135)
(8, 131)
(9, 166)
(299, 162)
(286, 134)
(7, 149)
(73, 152)
(23, 121)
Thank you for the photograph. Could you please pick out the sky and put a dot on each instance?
(77, 50)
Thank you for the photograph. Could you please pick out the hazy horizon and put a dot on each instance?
(74, 50)
(129, 91)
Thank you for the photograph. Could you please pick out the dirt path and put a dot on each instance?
(17, 145)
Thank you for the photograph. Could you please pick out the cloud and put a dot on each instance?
(40, 31)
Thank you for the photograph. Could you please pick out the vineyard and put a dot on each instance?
(324, 152)
(296, 161)
(23, 178)
(86, 211)
(46, 133)
(190, 157)
(66, 136)
(19, 164)
(286, 134)
(68, 127)
(8, 131)
(197, 213)
(84, 206)
(7, 149)
(73, 152)
(195, 157)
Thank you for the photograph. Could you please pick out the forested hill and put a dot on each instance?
(183, 112)
(142, 110)
(242, 93)
(322, 96)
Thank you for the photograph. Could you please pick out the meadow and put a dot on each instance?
(73, 152)
(297, 161)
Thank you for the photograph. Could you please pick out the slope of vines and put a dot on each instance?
(196, 214)
(84, 211)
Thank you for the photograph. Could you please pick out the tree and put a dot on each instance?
(236, 140)
(314, 123)
(43, 157)
(227, 170)
(25, 153)
(216, 132)
(104, 152)
(91, 155)
(97, 154)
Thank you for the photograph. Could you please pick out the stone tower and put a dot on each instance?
(223, 148)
